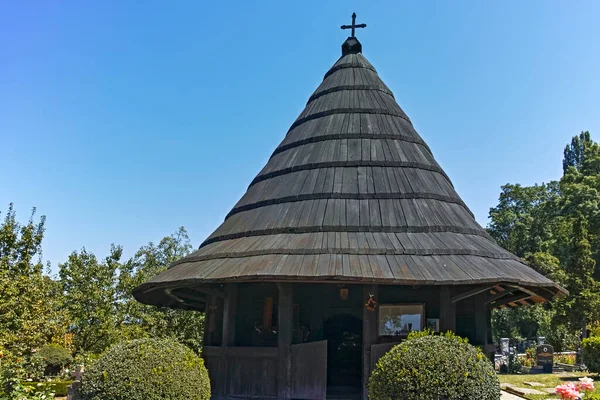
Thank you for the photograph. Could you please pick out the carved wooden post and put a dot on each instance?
(284, 341)
(229, 311)
(447, 310)
(369, 336)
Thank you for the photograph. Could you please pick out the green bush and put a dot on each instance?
(12, 388)
(433, 368)
(85, 358)
(59, 388)
(515, 365)
(595, 329)
(147, 369)
(591, 353)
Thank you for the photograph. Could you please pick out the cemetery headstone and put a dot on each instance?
(545, 357)
(504, 346)
(541, 340)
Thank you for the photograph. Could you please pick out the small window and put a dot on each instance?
(400, 319)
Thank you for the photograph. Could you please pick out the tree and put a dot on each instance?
(143, 320)
(577, 154)
(102, 309)
(89, 288)
(555, 228)
(30, 313)
(522, 220)
(580, 231)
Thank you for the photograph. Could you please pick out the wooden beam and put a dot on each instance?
(469, 293)
(447, 310)
(510, 299)
(537, 292)
(497, 296)
(369, 336)
(284, 341)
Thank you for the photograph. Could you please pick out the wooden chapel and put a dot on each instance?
(349, 238)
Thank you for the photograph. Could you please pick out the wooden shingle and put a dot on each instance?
(351, 194)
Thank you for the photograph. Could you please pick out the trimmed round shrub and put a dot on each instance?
(147, 369)
(591, 353)
(434, 368)
(55, 358)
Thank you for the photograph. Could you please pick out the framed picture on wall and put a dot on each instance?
(433, 324)
(400, 319)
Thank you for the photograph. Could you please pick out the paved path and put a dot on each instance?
(508, 396)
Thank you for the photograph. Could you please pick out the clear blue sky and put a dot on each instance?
(122, 120)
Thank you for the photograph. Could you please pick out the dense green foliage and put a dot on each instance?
(427, 367)
(147, 369)
(55, 355)
(30, 313)
(555, 227)
(59, 388)
(85, 309)
(54, 358)
(591, 353)
(99, 304)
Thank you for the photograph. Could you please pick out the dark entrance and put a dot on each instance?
(344, 354)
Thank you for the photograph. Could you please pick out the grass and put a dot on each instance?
(548, 380)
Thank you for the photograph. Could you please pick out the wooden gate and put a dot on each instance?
(377, 351)
(309, 370)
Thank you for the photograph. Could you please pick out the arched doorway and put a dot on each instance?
(343, 333)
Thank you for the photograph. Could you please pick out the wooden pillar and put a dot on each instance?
(481, 325)
(369, 336)
(284, 341)
(229, 312)
(447, 310)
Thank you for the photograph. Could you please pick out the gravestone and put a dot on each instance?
(545, 357)
(504, 343)
(541, 340)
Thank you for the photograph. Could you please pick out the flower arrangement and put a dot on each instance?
(570, 358)
(572, 391)
(586, 384)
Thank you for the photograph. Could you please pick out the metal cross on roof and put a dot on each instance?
(353, 26)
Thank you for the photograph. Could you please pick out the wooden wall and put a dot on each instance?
(236, 370)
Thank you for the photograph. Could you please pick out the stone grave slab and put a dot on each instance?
(526, 391)
(534, 384)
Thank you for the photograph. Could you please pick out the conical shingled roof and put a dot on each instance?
(352, 194)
